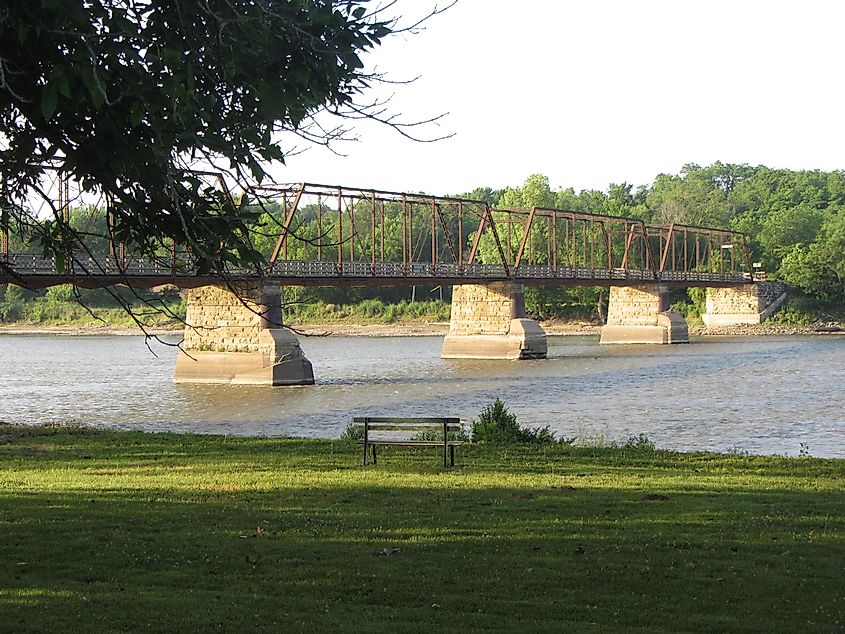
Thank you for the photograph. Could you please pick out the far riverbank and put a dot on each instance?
(408, 329)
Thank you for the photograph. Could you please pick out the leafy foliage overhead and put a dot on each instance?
(128, 95)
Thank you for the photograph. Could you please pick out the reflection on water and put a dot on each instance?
(762, 395)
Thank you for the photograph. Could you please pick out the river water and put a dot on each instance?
(762, 395)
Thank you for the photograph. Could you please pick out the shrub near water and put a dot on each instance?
(496, 424)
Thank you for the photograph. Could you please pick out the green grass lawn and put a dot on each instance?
(124, 531)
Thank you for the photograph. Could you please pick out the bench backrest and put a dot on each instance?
(379, 423)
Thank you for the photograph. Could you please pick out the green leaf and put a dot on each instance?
(49, 100)
(136, 115)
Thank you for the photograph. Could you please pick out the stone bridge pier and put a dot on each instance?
(745, 304)
(488, 322)
(235, 336)
(640, 314)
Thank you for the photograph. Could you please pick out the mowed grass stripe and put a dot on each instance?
(127, 531)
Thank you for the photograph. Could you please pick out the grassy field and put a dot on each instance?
(124, 531)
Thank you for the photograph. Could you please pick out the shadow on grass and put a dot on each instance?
(120, 532)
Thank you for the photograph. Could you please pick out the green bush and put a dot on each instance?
(640, 443)
(61, 293)
(497, 425)
(795, 313)
(437, 435)
(370, 308)
(353, 433)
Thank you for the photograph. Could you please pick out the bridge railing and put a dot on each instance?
(34, 265)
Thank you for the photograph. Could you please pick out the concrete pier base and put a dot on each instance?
(488, 322)
(237, 338)
(639, 314)
(746, 304)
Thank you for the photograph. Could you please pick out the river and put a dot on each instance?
(761, 395)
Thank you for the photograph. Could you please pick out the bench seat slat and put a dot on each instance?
(381, 428)
(414, 443)
(409, 420)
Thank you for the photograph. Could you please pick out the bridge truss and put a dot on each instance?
(311, 234)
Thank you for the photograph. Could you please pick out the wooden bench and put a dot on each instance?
(397, 426)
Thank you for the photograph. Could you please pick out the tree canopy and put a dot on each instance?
(128, 97)
(795, 221)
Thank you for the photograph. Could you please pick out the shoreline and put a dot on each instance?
(553, 328)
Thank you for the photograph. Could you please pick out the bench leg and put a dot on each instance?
(375, 455)
(452, 455)
(365, 454)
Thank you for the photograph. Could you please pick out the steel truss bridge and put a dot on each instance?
(331, 235)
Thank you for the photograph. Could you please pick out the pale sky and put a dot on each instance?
(601, 91)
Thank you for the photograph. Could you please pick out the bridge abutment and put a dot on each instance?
(488, 322)
(641, 314)
(745, 304)
(236, 337)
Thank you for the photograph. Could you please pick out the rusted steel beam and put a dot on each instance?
(608, 244)
(433, 234)
(405, 234)
(629, 237)
(446, 234)
(340, 231)
(373, 232)
(525, 234)
(382, 231)
(461, 233)
(286, 226)
(492, 223)
(477, 240)
(665, 253)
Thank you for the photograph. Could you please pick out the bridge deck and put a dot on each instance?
(33, 271)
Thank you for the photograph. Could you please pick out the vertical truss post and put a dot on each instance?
(319, 227)
(340, 231)
(411, 234)
(353, 231)
(509, 238)
(460, 238)
(629, 236)
(697, 251)
(373, 228)
(64, 197)
(284, 236)
(404, 234)
(383, 228)
(433, 235)
(110, 227)
(608, 243)
(674, 259)
(585, 240)
(747, 254)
